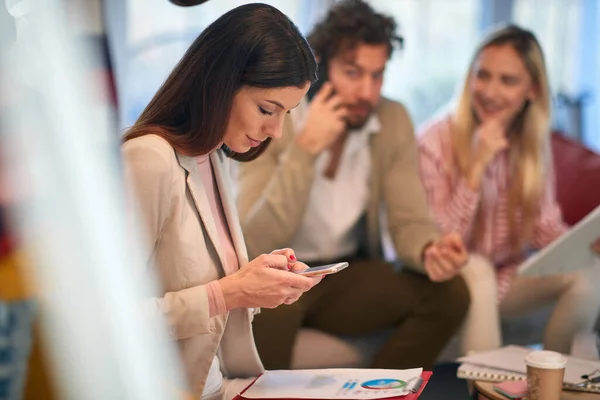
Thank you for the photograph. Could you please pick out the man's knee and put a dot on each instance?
(453, 298)
(280, 317)
(275, 332)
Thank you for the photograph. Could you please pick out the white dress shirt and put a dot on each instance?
(329, 228)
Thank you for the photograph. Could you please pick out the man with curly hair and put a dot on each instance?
(347, 158)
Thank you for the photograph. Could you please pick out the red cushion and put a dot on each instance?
(577, 171)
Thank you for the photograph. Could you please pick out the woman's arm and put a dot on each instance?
(549, 225)
(149, 172)
(453, 203)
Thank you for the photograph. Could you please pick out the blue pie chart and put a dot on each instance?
(383, 384)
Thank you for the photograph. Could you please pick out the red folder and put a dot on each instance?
(425, 375)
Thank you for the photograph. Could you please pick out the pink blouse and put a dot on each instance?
(216, 300)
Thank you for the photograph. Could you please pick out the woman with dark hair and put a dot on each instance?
(230, 91)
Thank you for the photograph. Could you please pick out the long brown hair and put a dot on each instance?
(254, 45)
(529, 148)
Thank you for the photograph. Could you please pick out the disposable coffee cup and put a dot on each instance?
(545, 373)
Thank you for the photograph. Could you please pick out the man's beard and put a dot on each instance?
(359, 121)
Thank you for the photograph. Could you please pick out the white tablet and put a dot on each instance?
(569, 252)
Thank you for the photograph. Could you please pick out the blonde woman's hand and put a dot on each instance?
(490, 139)
(266, 282)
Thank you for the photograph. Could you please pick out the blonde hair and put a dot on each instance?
(529, 150)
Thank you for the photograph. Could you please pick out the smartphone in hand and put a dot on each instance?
(324, 269)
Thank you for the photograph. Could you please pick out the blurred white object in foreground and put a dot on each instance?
(71, 213)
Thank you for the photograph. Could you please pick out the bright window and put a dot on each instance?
(439, 39)
(157, 33)
(556, 25)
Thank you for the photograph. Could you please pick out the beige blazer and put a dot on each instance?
(186, 255)
(274, 191)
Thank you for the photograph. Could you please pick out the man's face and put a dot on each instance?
(357, 76)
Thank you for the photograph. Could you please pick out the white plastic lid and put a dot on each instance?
(545, 359)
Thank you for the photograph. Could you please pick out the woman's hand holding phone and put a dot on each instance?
(266, 281)
(325, 122)
(302, 269)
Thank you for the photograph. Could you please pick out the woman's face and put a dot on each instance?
(258, 114)
(500, 84)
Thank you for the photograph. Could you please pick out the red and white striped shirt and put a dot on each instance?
(455, 205)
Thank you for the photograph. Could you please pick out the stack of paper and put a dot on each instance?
(338, 383)
(508, 363)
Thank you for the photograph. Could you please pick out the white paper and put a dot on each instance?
(336, 383)
(512, 358)
(567, 253)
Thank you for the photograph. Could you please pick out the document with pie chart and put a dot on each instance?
(335, 383)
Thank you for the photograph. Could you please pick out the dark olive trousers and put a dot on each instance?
(367, 297)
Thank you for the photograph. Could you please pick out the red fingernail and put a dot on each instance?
(293, 257)
(289, 266)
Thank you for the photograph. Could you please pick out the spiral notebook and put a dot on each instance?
(508, 363)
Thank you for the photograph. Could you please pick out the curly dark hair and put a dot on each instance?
(348, 23)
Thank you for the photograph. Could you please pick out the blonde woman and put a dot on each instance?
(487, 172)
